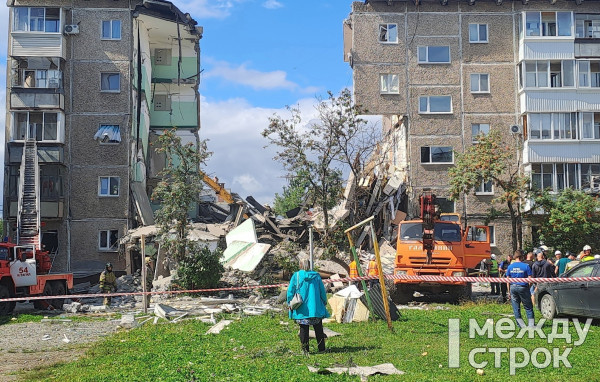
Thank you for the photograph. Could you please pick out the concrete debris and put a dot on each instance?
(66, 339)
(165, 311)
(128, 321)
(46, 337)
(328, 332)
(55, 320)
(384, 368)
(216, 329)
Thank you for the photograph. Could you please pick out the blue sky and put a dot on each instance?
(257, 57)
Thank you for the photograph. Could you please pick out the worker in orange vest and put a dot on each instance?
(373, 271)
(353, 271)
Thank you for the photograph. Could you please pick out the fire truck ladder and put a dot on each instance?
(28, 218)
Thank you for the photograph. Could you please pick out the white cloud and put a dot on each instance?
(249, 77)
(207, 9)
(272, 4)
(247, 182)
(240, 158)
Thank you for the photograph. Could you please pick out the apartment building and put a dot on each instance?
(90, 85)
(442, 71)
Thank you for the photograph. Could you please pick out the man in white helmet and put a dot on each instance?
(587, 253)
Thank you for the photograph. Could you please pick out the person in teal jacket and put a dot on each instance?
(314, 300)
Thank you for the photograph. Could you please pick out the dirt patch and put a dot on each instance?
(31, 345)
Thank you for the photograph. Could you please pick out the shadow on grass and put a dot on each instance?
(349, 349)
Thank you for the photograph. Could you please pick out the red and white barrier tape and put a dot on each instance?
(425, 278)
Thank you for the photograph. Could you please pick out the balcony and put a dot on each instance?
(43, 126)
(36, 32)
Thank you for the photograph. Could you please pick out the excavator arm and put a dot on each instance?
(218, 188)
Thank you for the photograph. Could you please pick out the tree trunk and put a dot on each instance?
(513, 223)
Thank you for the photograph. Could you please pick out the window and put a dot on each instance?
(111, 30)
(389, 84)
(477, 129)
(555, 74)
(108, 240)
(478, 33)
(552, 125)
(435, 104)
(485, 188)
(411, 231)
(587, 25)
(590, 176)
(477, 234)
(108, 186)
(37, 125)
(558, 176)
(388, 33)
(590, 125)
(492, 230)
(110, 82)
(29, 19)
(446, 205)
(589, 73)
(541, 176)
(480, 83)
(434, 54)
(437, 154)
(40, 78)
(549, 24)
(108, 134)
(446, 232)
(584, 271)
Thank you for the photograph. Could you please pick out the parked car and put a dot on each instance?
(581, 298)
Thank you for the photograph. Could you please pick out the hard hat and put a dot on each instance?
(108, 265)
(148, 260)
(543, 248)
(493, 256)
(587, 248)
(557, 252)
(372, 257)
(536, 251)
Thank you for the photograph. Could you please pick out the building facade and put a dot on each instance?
(441, 72)
(90, 84)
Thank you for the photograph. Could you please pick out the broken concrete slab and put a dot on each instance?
(128, 321)
(245, 232)
(384, 368)
(245, 256)
(216, 329)
(162, 310)
(328, 332)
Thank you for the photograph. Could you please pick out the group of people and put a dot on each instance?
(539, 262)
(521, 266)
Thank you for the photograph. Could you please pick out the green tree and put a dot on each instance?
(321, 148)
(293, 195)
(569, 220)
(177, 191)
(492, 159)
(201, 268)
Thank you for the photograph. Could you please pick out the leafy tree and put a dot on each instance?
(322, 147)
(493, 159)
(177, 191)
(569, 220)
(200, 268)
(293, 195)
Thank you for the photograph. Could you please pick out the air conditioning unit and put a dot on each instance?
(72, 29)
(515, 129)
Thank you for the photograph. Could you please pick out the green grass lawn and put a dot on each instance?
(261, 349)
